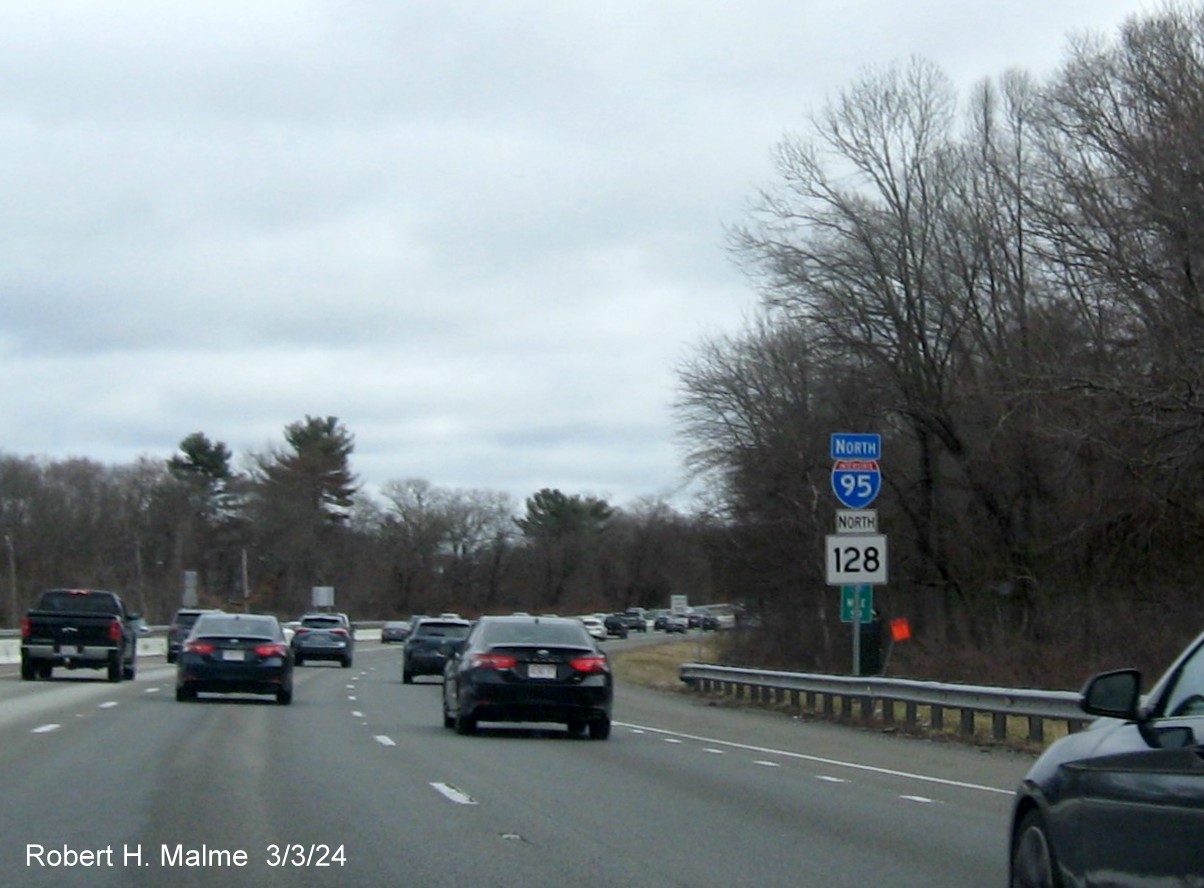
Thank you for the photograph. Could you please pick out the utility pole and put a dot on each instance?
(15, 613)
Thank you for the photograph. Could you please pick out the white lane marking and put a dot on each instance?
(45, 729)
(152, 690)
(350, 687)
(109, 704)
(828, 779)
(889, 772)
(452, 794)
(715, 751)
(352, 697)
(767, 764)
(357, 714)
(921, 799)
(673, 740)
(636, 731)
(384, 741)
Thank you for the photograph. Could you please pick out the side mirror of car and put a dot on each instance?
(1115, 694)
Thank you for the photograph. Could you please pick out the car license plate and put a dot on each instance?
(232, 655)
(538, 670)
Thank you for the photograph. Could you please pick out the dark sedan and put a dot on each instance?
(430, 645)
(616, 624)
(235, 654)
(529, 669)
(1121, 803)
(394, 631)
(181, 625)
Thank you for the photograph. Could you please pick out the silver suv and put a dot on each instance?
(324, 636)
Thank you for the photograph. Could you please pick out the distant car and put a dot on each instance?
(637, 620)
(676, 623)
(235, 654)
(529, 669)
(1121, 803)
(394, 631)
(429, 646)
(595, 627)
(324, 636)
(616, 625)
(181, 625)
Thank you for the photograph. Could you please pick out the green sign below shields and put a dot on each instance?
(854, 597)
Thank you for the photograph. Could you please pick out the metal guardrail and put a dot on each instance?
(875, 699)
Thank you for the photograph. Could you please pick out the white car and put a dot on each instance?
(595, 627)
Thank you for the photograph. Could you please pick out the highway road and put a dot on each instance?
(358, 784)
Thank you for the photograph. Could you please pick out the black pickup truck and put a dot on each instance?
(79, 628)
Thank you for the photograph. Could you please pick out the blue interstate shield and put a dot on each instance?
(856, 482)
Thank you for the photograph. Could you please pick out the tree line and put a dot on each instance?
(264, 537)
(1008, 289)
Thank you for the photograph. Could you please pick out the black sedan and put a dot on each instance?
(235, 654)
(1121, 803)
(529, 669)
(430, 644)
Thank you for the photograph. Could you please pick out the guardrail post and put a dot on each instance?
(911, 713)
(888, 711)
(967, 723)
(937, 717)
(867, 708)
(1036, 729)
(999, 726)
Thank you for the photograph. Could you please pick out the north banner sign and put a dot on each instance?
(855, 445)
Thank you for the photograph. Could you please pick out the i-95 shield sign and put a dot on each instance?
(853, 559)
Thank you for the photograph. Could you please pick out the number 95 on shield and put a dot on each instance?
(856, 482)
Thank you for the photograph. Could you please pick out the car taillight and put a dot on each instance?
(200, 647)
(115, 633)
(300, 630)
(590, 664)
(25, 627)
(493, 661)
(342, 632)
(272, 650)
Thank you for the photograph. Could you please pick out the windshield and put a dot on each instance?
(1186, 695)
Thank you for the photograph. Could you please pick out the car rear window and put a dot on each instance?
(435, 629)
(559, 632)
(322, 622)
(79, 601)
(257, 627)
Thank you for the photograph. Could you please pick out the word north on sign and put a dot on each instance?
(856, 520)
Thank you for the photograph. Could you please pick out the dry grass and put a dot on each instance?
(656, 665)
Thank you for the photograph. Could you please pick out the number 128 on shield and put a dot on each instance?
(856, 558)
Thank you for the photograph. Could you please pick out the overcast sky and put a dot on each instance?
(483, 235)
